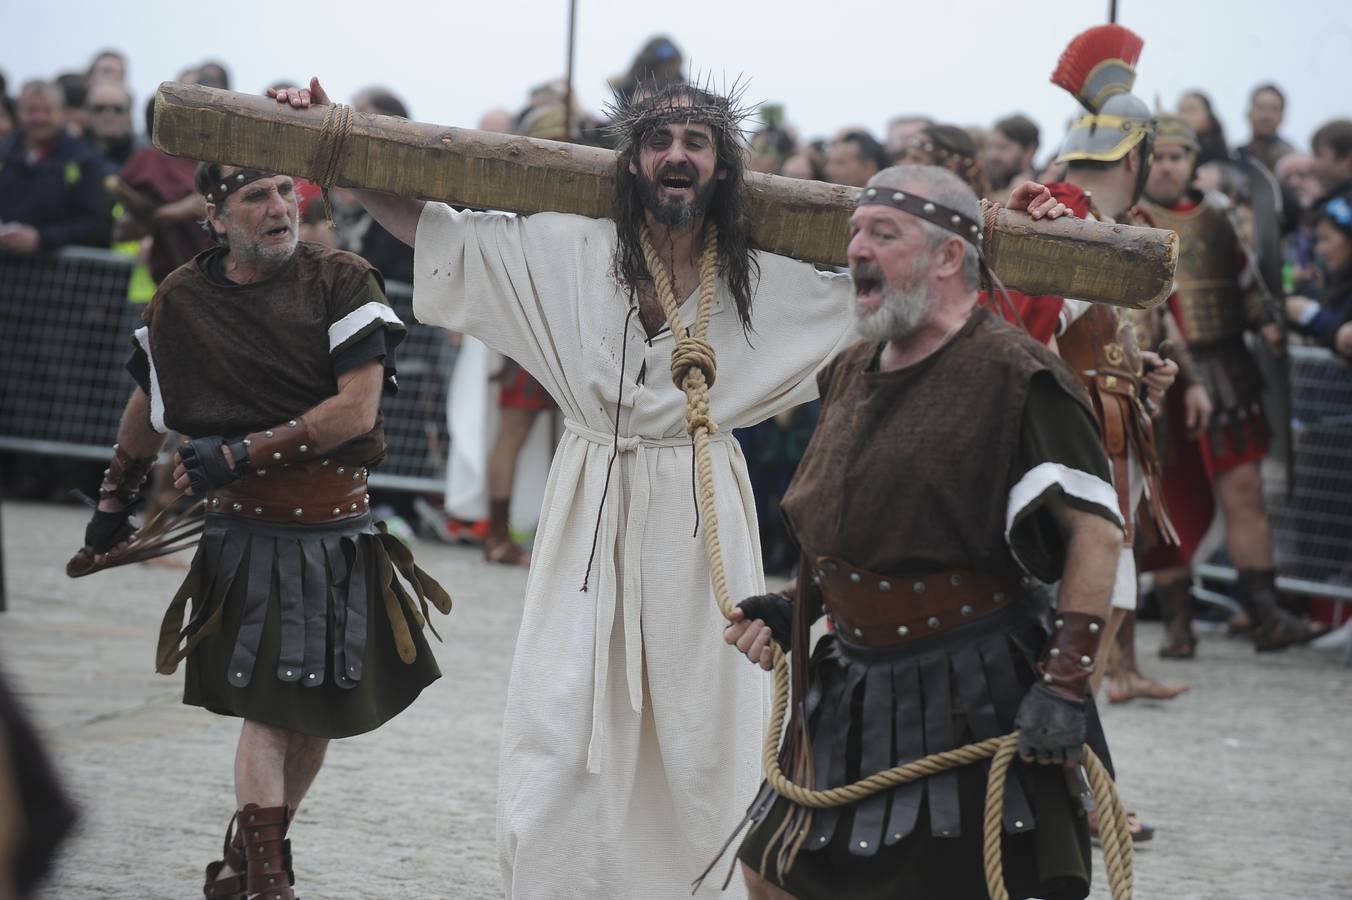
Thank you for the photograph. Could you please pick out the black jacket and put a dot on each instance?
(61, 195)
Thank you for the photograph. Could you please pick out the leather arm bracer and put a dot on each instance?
(280, 445)
(124, 477)
(1071, 654)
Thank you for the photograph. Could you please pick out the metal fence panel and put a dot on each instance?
(1312, 525)
(65, 335)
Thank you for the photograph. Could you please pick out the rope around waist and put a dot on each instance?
(631, 443)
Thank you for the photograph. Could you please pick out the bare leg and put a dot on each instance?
(513, 430)
(757, 888)
(1248, 535)
(304, 756)
(1125, 679)
(260, 765)
(512, 433)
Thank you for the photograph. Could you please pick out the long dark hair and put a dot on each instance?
(727, 209)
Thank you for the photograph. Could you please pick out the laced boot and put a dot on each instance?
(230, 887)
(1273, 627)
(1175, 601)
(267, 851)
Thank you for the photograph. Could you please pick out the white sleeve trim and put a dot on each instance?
(142, 336)
(343, 330)
(1075, 482)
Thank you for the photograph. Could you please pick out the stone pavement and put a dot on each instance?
(1248, 778)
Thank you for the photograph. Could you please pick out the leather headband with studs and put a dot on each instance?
(925, 210)
(233, 182)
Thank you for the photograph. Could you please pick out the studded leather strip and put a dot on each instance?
(291, 610)
(261, 553)
(315, 591)
(945, 816)
(358, 601)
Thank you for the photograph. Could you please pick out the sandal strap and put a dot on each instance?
(229, 888)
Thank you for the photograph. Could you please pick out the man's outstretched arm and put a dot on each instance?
(397, 215)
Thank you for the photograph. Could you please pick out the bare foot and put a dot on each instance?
(1131, 685)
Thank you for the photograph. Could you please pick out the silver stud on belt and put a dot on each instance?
(932, 622)
(236, 507)
(966, 611)
(918, 587)
(854, 577)
(297, 512)
(955, 580)
(884, 586)
(903, 631)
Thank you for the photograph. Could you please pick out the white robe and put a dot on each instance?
(632, 736)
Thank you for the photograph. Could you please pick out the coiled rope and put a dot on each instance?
(693, 369)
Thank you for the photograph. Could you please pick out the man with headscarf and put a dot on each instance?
(918, 529)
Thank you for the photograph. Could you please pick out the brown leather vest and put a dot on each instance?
(236, 359)
(1210, 301)
(909, 472)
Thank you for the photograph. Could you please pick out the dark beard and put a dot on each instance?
(676, 213)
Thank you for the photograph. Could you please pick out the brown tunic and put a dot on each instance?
(231, 360)
(910, 471)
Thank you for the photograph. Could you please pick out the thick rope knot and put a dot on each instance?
(693, 353)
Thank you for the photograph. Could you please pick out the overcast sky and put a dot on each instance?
(831, 63)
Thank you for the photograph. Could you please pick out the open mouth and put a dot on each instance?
(279, 231)
(868, 290)
(676, 183)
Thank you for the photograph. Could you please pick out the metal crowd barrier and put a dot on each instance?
(65, 335)
(65, 326)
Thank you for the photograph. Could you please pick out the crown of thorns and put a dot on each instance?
(651, 106)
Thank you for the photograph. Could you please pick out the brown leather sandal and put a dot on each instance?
(231, 887)
(267, 851)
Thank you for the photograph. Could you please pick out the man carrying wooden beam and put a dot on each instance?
(631, 740)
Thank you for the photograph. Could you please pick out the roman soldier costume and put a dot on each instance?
(919, 531)
(306, 615)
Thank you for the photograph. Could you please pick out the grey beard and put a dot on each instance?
(265, 260)
(900, 314)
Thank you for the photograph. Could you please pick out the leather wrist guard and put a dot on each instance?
(774, 610)
(204, 461)
(280, 445)
(124, 477)
(1072, 651)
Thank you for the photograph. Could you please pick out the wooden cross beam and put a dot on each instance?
(809, 220)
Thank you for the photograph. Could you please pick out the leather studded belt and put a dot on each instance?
(311, 493)
(886, 610)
